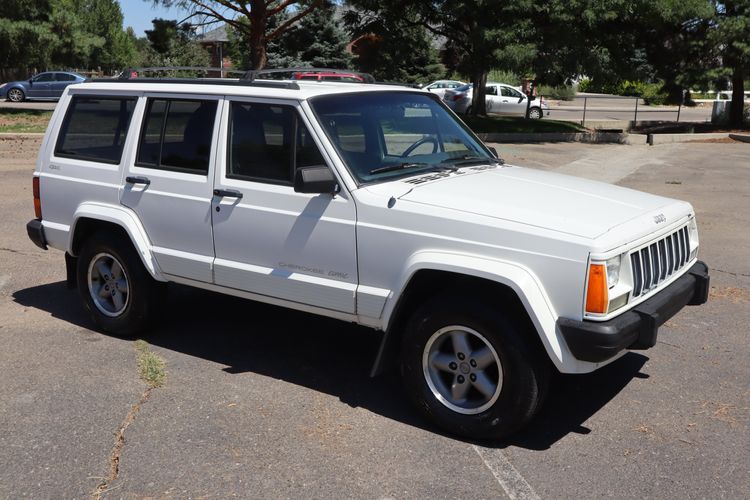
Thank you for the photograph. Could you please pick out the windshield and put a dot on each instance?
(386, 135)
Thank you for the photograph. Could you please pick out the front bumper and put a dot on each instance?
(35, 231)
(637, 328)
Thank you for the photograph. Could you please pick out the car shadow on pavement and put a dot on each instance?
(327, 355)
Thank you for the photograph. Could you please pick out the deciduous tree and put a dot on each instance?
(255, 29)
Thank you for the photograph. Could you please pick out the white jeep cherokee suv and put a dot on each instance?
(368, 203)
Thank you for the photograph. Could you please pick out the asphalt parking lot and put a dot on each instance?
(262, 402)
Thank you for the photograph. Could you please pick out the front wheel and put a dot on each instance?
(470, 370)
(535, 114)
(114, 285)
(16, 95)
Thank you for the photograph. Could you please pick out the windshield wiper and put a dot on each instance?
(466, 159)
(401, 166)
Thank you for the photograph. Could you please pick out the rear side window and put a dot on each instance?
(95, 128)
(176, 135)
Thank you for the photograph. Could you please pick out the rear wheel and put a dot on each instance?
(114, 285)
(16, 95)
(470, 370)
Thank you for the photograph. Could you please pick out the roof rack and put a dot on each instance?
(245, 77)
(134, 75)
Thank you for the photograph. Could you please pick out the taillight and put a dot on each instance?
(456, 97)
(37, 198)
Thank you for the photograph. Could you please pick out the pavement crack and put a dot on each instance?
(114, 456)
(151, 369)
(11, 250)
(725, 272)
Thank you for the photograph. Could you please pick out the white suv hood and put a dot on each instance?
(544, 199)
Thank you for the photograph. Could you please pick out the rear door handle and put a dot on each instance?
(227, 193)
(138, 180)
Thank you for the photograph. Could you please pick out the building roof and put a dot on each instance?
(215, 35)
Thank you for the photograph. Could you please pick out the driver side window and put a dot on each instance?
(509, 92)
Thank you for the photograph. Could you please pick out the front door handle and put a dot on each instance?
(138, 180)
(227, 193)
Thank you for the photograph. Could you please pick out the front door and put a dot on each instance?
(512, 102)
(270, 240)
(169, 183)
(41, 86)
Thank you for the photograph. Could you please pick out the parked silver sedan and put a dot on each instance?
(501, 99)
(439, 87)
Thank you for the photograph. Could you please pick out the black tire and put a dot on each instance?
(535, 113)
(141, 296)
(16, 95)
(524, 369)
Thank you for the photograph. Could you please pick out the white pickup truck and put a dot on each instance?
(372, 204)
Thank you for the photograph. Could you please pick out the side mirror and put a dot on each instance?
(520, 99)
(315, 180)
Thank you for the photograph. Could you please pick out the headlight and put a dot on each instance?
(693, 235)
(613, 271)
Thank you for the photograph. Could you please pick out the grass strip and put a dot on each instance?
(24, 120)
(512, 124)
(150, 365)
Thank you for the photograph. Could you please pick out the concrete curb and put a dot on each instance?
(27, 135)
(670, 138)
(587, 137)
(740, 137)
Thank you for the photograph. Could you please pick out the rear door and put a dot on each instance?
(169, 181)
(269, 239)
(61, 81)
(493, 99)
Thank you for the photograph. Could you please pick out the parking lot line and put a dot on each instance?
(512, 482)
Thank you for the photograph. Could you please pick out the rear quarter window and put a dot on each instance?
(95, 128)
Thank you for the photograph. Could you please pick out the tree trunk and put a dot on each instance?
(737, 106)
(257, 35)
(479, 101)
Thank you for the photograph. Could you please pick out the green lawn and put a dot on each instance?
(23, 120)
(511, 124)
(30, 120)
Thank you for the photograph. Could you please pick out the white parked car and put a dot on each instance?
(440, 86)
(501, 99)
(366, 203)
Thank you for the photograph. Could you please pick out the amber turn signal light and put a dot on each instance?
(37, 198)
(597, 295)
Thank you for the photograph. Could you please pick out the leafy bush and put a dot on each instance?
(502, 76)
(562, 92)
(652, 93)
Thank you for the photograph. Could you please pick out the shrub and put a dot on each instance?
(502, 76)
(561, 92)
(585, 85)
(653, 93)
